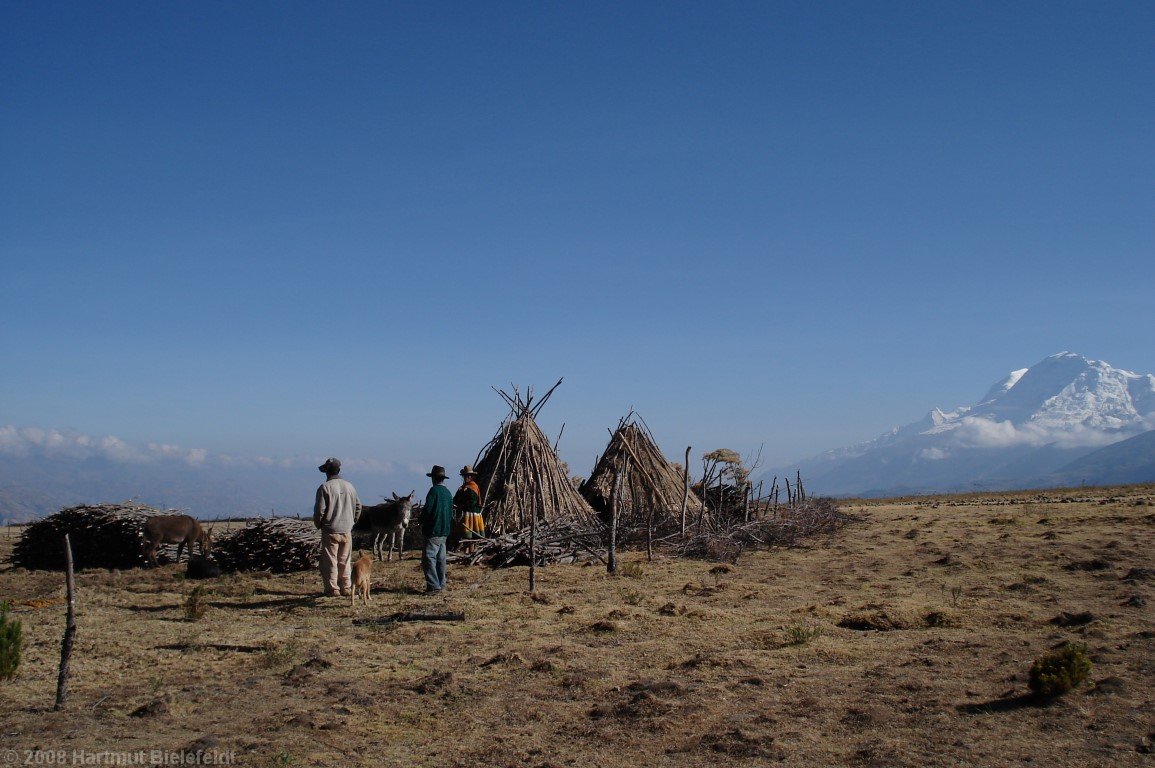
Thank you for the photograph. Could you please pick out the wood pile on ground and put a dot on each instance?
(101, 536)
(521, 476)
(813, 516)
(557, 542)
(649, 490)
(279, 545)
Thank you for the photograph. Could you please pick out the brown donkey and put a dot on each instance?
(181, 530)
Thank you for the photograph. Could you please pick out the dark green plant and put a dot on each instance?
(11, 641)
(1061, 670)
(196, 603)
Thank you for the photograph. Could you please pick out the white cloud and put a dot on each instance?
(933, 454)
(68, 444)
(978, 432)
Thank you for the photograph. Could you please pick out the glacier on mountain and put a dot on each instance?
(1029, 423)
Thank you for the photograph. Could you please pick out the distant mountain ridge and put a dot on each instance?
(1026, 430)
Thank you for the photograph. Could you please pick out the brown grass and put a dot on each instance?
(905, 639)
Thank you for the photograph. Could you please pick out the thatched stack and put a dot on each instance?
(101, 535)
(520, 475)
(280, 545)
(648, 487)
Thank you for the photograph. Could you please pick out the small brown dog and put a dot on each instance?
(362, 577)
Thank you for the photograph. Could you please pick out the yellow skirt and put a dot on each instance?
(474, 525)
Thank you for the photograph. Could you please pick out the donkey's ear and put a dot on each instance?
(395, 496)
(411, 494)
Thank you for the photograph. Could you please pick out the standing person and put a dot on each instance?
(334, 512)
(436, 522)
(467, 502)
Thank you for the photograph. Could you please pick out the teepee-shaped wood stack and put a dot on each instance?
(648, 487)
(521, 476)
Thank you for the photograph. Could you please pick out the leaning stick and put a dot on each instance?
(685, 488)
(69, 630)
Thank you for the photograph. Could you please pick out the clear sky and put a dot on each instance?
(303, 229)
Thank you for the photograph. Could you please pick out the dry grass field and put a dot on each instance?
(903, 640)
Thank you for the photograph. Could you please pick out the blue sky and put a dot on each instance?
(302, 229)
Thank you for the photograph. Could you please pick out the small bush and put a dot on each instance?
(800, 634)
(631, 570)
(277, 654)
(196, 604)
(11, 641)
(1059, 671)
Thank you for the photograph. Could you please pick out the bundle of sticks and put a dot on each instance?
(280, 545)
(813, 516)
(101, 536)
(562, 541)
(521, 476)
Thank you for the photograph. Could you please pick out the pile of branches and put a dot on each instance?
(101, 536)
(727, 542)
(280, 545)
(521, 476)
(633, 474)
(556, 542)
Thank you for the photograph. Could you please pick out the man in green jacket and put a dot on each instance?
(436, 522)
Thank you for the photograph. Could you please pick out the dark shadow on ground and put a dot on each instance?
(288, 602)
(210, 647)
(1006, 705)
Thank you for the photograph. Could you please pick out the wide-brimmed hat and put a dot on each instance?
(330, 465)
(467, 470)
(438, 471)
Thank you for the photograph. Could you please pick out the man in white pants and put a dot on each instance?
(336, 509)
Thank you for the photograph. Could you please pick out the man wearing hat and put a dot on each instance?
(467, 502)
(436, 522)
(334, 512)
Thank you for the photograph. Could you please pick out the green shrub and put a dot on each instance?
(801, 634)
(11, 641)
(196, 603)
(1061, 670)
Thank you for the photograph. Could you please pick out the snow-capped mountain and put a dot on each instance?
(1029, 424)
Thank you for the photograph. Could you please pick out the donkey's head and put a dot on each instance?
(404, 505)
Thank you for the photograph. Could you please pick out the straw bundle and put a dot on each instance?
(280, 545)
(101, 535)
(521, 476)
(647, 486)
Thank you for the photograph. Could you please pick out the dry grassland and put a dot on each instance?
(903, 640)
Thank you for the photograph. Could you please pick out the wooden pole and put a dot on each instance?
(685, 489)
(612, 559)
(69, 630)
(533, 551)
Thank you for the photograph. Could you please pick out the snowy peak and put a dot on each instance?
(1002, 387)
(1068, 391)
(1031, 423)
(1065, 400)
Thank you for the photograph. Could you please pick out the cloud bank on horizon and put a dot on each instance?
(34, 441)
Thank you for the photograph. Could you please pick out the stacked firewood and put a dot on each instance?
(634, 475)
(557, 542)
(101, 536)
(520, 475)
(280, 545)
(813, 516)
